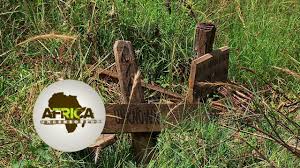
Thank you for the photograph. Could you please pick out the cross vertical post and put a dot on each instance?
(204, 38)
(132, 92)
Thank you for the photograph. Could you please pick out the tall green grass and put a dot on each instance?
(261, 34)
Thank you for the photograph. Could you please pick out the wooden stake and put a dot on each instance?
(204, 38)
(127, 69)
(212, 67)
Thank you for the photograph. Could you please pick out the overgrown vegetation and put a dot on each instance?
(262, 35)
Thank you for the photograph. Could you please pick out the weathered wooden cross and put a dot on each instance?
(143, 120)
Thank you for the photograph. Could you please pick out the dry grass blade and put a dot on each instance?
(102, 141)
(238, 9)
(246, 132)
(259, 153)
(48, 36)
(136, 80)
(279, 141)
(97, 152)
(217, 84)
(113, 116)
(289, 72)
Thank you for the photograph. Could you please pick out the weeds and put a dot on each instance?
(259, 123)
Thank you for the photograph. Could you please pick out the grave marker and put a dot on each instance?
(142, 142)
(143, 120)
(204, 38)
(212, 67)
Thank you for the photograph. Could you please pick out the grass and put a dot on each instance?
(261, 34)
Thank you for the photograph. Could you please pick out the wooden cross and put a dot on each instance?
(132, 92)
(144, 121)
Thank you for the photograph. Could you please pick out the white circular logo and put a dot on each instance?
(69, 115)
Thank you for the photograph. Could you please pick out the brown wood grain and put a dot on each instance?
(127, 69)
(143, 117)
(132, 92)
(211, 67)
(204, 38)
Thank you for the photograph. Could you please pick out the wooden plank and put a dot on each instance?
(162, 91)
(143, 117)
(204, 38)
(212, 67)
(103, 73)
(127, 69)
